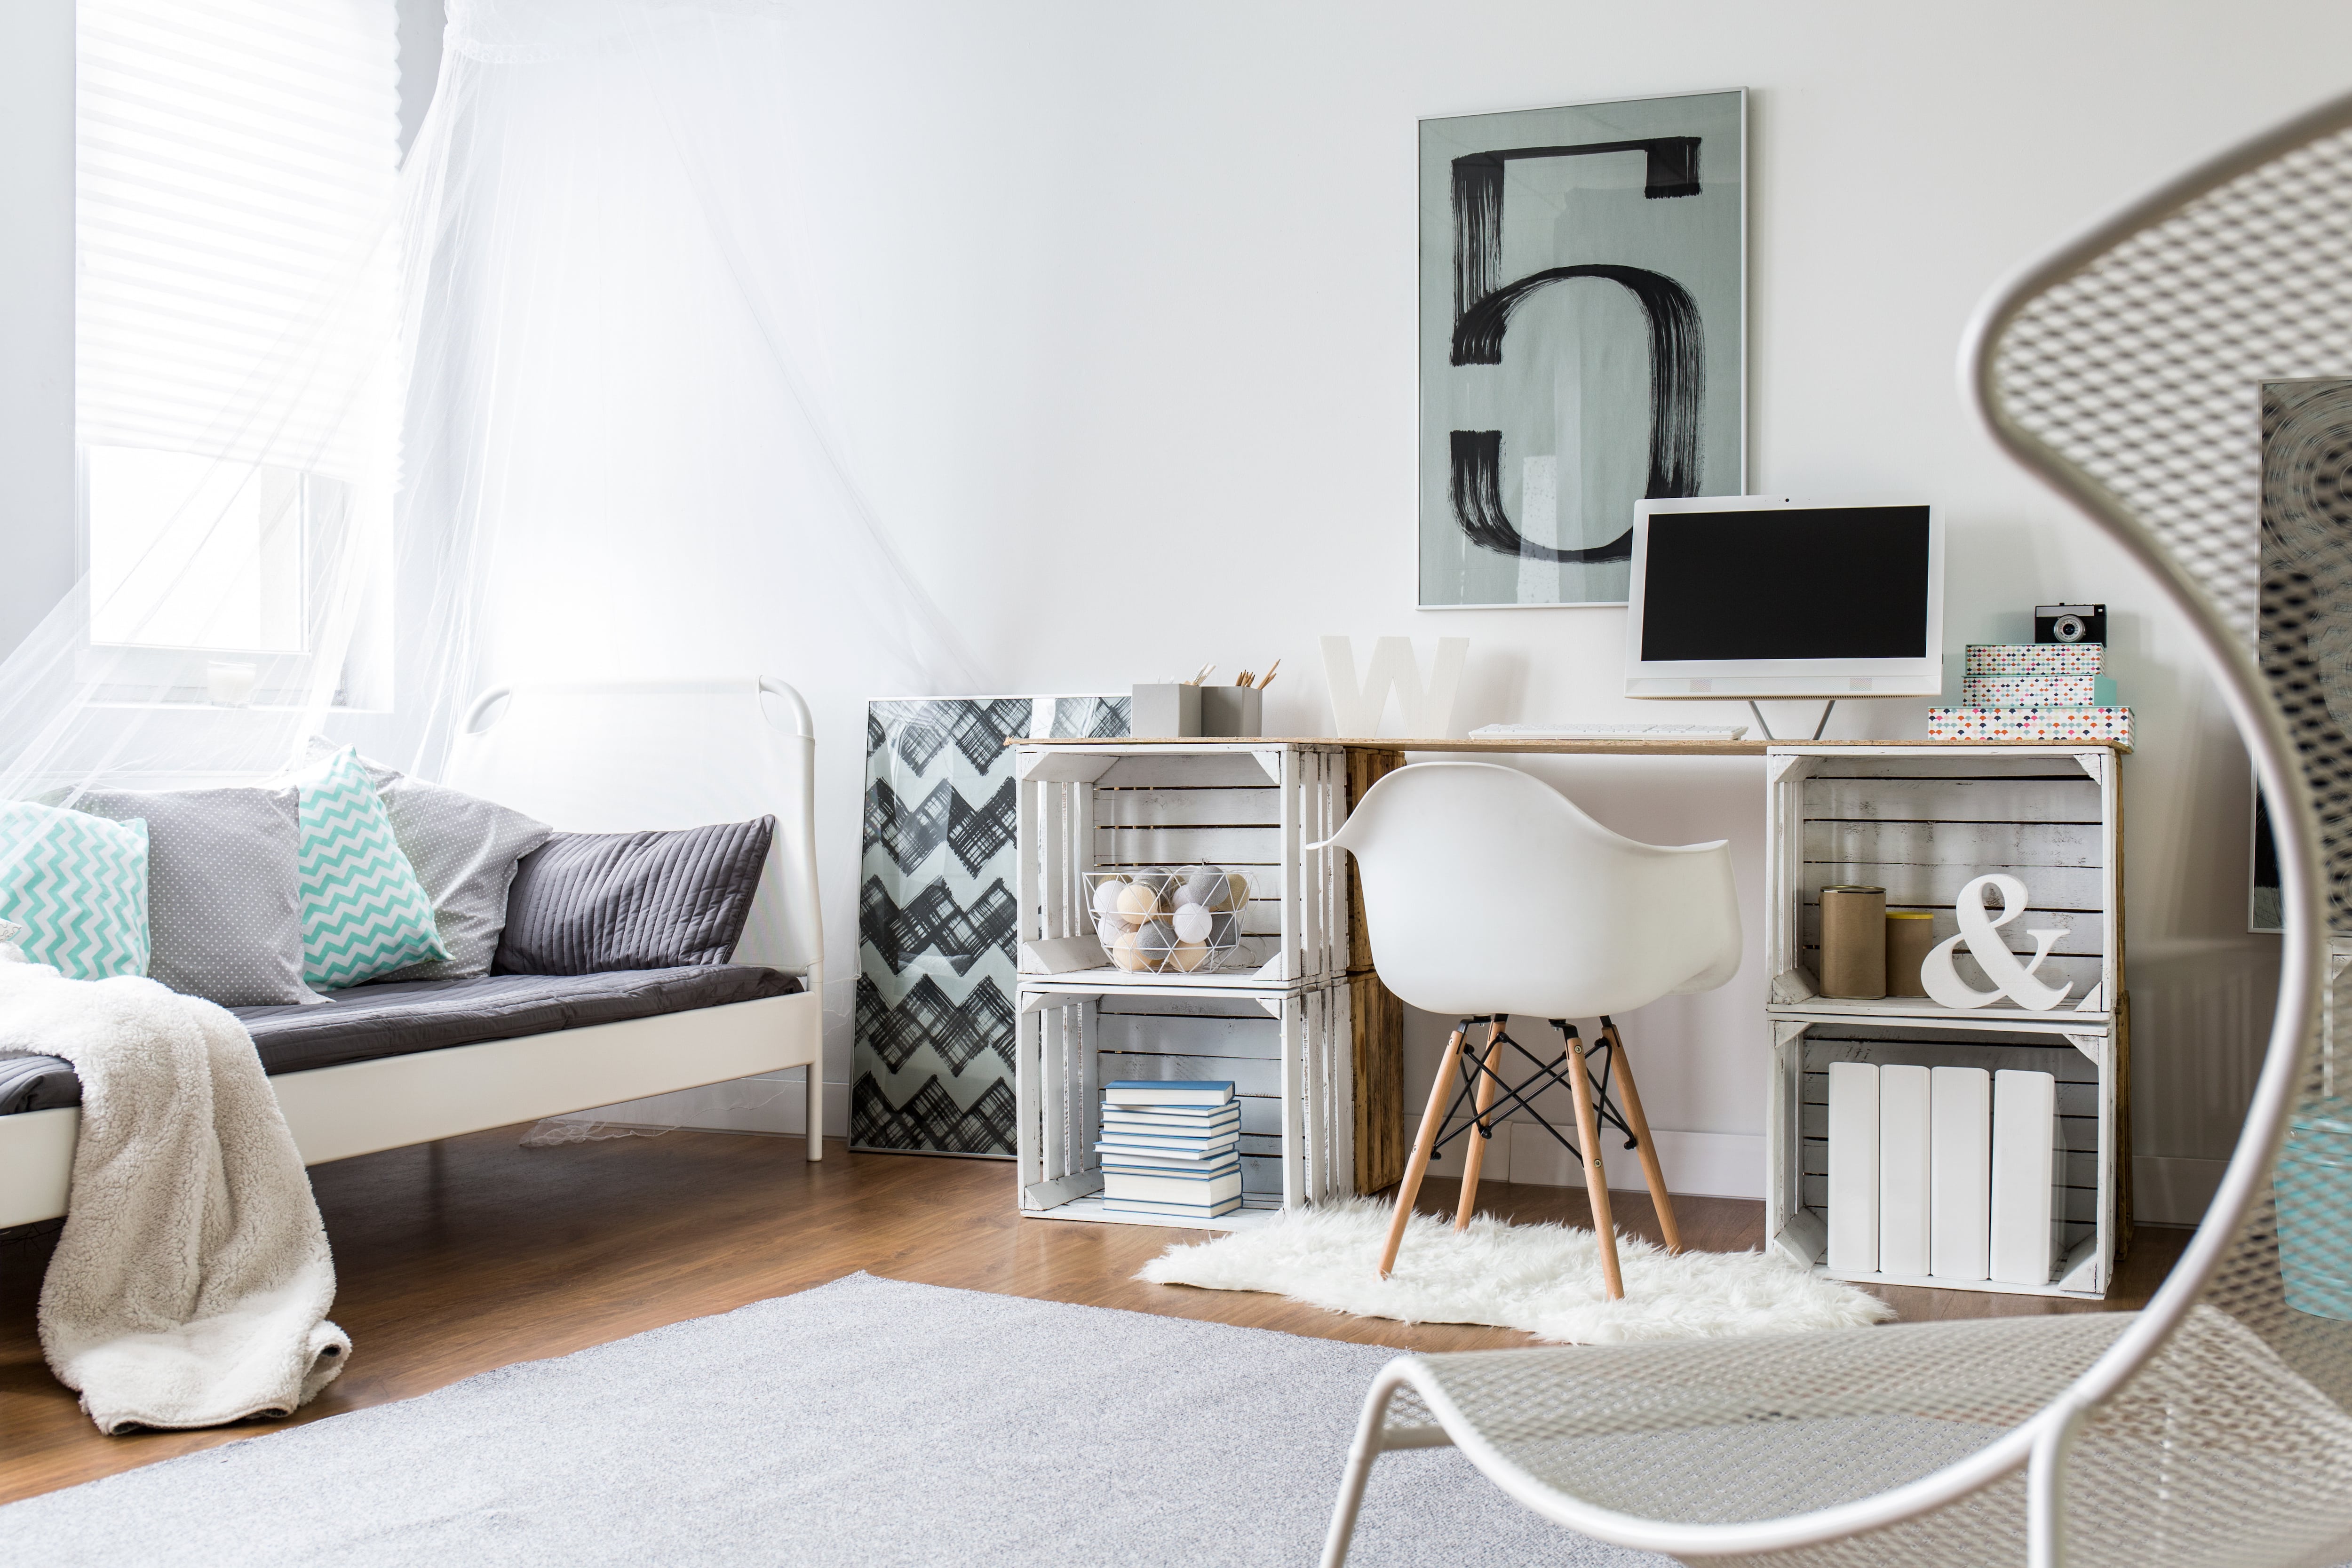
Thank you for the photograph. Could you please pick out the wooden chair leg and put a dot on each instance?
(1476, 1157)
(1417, 1166)
(1652, 1172)
(1596, 1179)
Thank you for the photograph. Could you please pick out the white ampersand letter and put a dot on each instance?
(1981, 929)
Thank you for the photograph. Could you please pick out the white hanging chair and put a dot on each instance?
(2210, 1428)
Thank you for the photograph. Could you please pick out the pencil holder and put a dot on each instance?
(1162, 709)
(1236, 710)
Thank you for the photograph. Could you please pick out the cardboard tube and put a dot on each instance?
(1854, 942)
(1909, 934)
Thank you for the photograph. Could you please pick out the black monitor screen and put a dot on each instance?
(1847, 581)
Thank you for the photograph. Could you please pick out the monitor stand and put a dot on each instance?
(1827, 709)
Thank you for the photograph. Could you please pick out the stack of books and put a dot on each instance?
(2032, 691)
(1171, 1148)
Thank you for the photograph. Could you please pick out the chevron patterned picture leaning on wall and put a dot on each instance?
(933, 1070)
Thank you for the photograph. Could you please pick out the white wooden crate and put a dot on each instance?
(1923, 822)
(1287, 1053)
(2082, 1055)
(1251, 805)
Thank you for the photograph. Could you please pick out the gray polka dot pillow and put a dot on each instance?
(224, 908)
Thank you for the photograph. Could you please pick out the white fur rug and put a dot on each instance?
(1544, 1279)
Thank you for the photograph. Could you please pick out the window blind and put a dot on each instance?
(236, 167)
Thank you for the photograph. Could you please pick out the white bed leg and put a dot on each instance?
(814, 1120)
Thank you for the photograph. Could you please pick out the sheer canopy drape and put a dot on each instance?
(557, 406)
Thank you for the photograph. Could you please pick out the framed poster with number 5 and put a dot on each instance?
(1583, 338)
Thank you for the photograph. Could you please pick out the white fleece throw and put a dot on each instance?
(1543, 1279)
(190, 1287)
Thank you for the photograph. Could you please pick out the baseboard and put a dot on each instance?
(1697, 1165)
(2172, 1190)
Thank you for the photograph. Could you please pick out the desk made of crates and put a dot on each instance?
(1314, 1042)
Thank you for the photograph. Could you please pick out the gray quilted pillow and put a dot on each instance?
(224, 906)
(592, 903)
(464, 850)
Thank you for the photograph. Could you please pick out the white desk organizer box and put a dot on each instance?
(1923, 823)
(1274, 1019)
(1248, 805)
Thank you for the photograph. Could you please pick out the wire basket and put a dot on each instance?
(1168, 919)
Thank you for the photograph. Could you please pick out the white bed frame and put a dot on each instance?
(607, 757)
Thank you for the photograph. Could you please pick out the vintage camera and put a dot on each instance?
(2070, 623)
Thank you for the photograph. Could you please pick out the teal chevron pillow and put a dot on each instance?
(364, 913)
(78, 884)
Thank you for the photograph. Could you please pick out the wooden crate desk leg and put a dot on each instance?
(1377, 1015)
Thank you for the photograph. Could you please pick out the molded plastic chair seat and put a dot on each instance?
(1487, 890)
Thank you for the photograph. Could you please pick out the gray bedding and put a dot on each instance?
(400, 1018)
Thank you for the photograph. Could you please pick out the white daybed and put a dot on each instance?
(611, 757)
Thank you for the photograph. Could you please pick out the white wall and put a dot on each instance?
(37, 368)
(1120, 307)
(1121, 311)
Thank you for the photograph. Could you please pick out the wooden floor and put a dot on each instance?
(461, 1257)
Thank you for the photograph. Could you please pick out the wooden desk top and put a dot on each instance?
(1530, 745)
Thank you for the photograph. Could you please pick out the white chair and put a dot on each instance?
(1488, 893)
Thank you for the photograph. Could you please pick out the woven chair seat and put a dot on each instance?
(1736, 1431)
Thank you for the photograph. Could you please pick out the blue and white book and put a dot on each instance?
(1112, 1154)
(1188, 1120)
(1173, 1211)
(1169, 1091)
(1143, 1142)
(1190, 1171)
(1162, 1188)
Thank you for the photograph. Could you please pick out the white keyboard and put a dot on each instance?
(1609, 732)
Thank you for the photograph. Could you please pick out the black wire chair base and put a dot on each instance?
(1473, 1070)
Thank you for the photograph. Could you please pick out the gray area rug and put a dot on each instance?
(864, 1422)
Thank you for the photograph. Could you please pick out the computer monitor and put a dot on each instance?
(1765, 596)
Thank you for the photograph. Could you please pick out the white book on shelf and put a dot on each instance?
(1225, 1205)
(1160, 1159)
(1179, 1119)
(1197, 1091)
(1853, 1168)
(2025, 1216)
(1903, 1168)
(1187, 1189)
(1960, 1172)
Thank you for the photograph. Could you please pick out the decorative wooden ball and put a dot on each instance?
(1191, 922)
(1138, 899)
(1125, 954)
(1188, 956)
